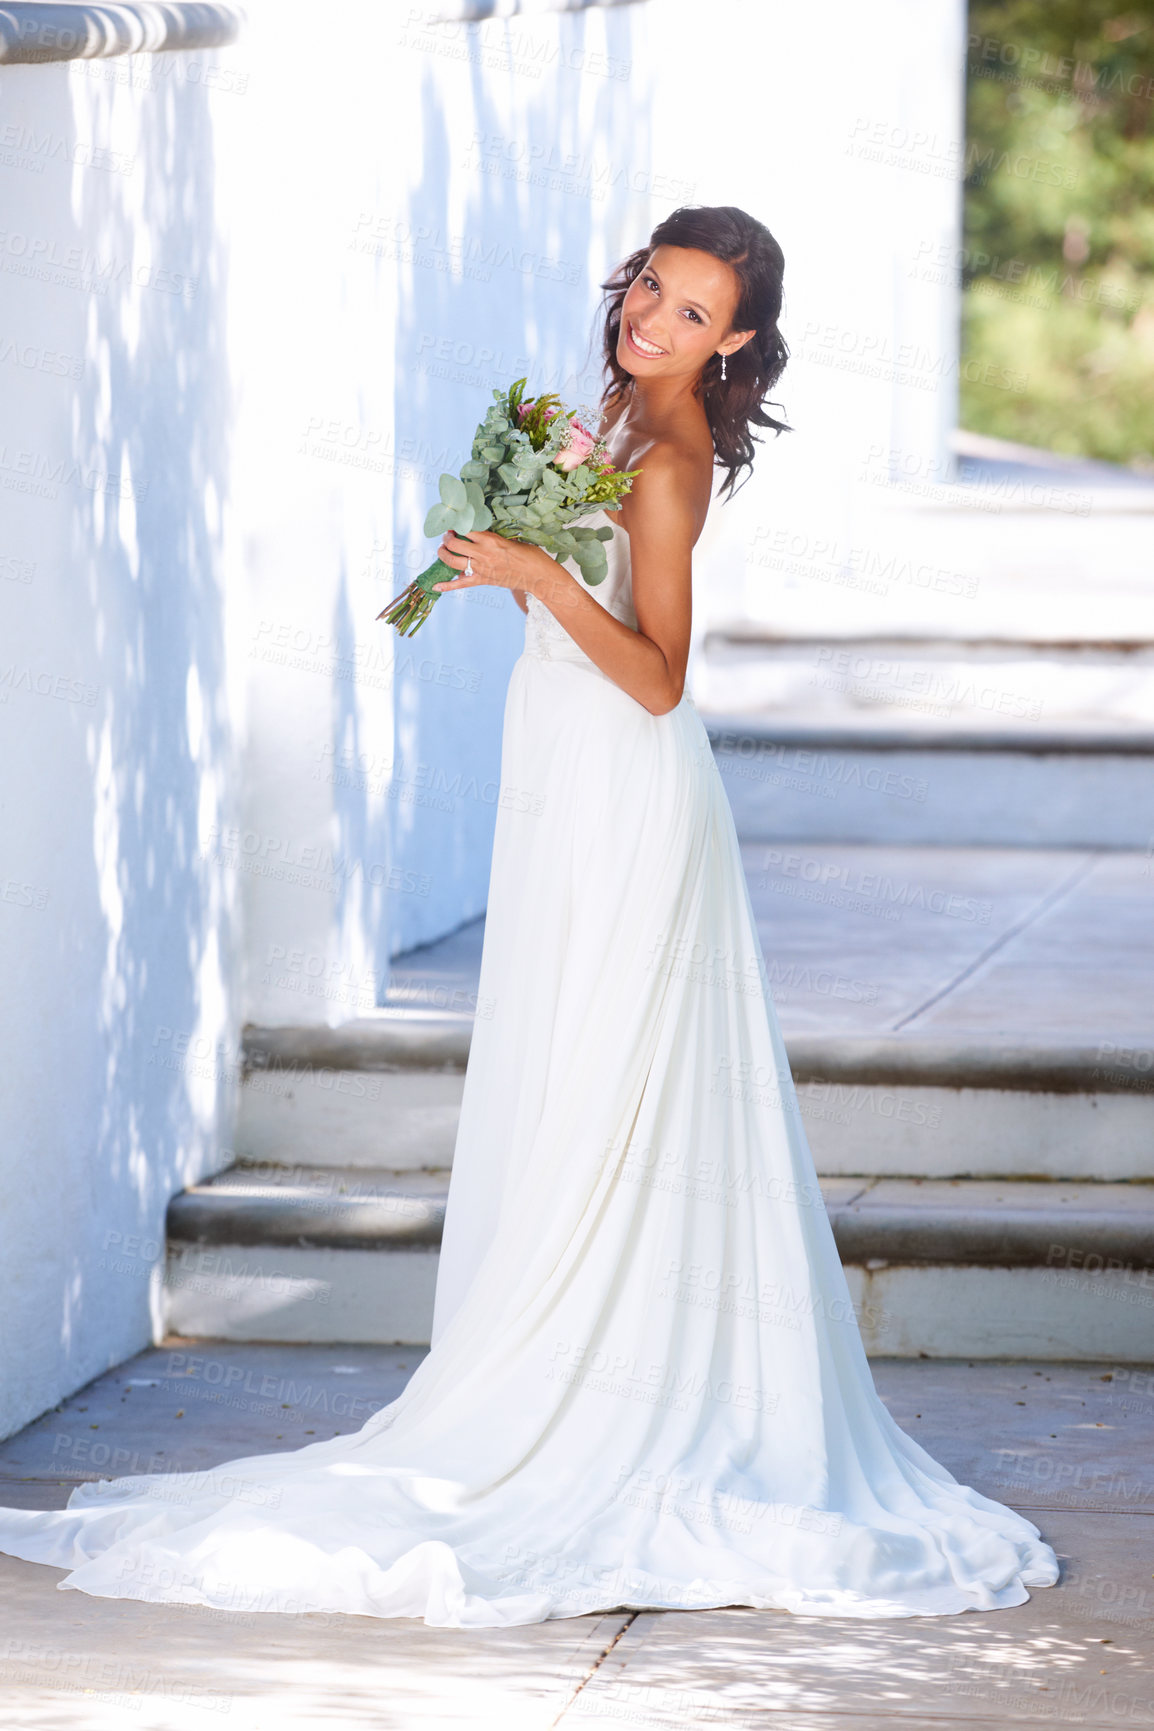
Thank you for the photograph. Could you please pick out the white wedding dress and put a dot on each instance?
(646, 1386)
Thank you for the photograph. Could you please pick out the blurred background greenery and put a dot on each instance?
(1058, 266)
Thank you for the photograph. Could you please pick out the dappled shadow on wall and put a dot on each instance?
(529, 145)
(122, 783)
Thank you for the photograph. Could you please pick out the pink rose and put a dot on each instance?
(523, 410)
(577, 447)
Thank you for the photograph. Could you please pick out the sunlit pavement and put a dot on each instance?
(1052, 945)
(1068, 1445)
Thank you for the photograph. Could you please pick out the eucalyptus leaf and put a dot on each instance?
(518, 490)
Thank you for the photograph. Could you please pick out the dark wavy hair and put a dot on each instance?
(734, 408)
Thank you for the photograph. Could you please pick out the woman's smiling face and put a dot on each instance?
(677, 312)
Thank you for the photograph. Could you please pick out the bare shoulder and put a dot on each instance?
(673, 489)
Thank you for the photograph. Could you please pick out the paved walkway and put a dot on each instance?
(1070, 1445)
(1040, 944)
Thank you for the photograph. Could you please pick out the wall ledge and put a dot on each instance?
(34, 33)
(429, 12)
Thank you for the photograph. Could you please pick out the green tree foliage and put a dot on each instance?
(1058, 266)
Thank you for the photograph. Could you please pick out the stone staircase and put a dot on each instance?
(306, 1253)
(336, 1238)
(949, 840)
(884, 780)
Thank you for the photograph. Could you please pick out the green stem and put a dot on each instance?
(414, 604)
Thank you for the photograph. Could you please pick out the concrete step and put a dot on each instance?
(305, 1253)
(384, 1091)
(1022, 549)
(939, 1268)
(987, 682)
(964, 781)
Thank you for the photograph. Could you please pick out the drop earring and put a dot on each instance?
(723, 369)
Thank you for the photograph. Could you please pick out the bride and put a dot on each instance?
(646, 1385)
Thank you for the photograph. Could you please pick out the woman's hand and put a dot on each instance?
(496, 563)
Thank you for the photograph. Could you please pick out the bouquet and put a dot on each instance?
(535, 470)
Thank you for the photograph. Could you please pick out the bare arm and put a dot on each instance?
(649, 663)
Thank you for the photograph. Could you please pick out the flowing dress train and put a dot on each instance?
(646, 1385)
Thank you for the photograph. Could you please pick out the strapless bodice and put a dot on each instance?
(546, 638)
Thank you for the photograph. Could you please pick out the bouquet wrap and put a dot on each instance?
(534, 472)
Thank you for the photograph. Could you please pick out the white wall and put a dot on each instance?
(419, 241)
(527, 178)
(439, 225)
(273, 288)
(844, 133)
(117, 1002)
